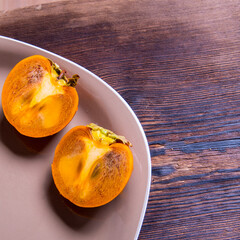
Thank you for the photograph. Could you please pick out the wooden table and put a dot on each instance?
(176, 63)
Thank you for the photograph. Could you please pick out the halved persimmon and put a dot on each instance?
(92, 165)
(37, 98)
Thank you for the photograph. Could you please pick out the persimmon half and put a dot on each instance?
(92, 165)
(37, 97)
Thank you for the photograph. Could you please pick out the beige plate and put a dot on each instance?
(30, 206)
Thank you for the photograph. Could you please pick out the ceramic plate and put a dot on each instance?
(30, 206)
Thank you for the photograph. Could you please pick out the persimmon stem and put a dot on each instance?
(104, 135)
(71, 82)
(61, 74)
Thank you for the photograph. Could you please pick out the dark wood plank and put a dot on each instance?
(177, 65)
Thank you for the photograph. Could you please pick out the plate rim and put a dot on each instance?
(149, 172)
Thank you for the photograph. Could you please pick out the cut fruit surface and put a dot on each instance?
(37, 98)
(89, 169)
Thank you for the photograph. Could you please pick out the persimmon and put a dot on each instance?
(92, 165)
(37, 97)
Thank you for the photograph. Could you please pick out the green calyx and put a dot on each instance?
(61, 77)
(106, 136)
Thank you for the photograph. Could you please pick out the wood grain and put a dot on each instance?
(177, 65)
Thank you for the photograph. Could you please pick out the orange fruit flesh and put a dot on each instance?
(88, 173)
(34, 102)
